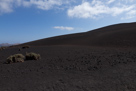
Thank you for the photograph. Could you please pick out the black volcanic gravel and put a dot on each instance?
(70, 68)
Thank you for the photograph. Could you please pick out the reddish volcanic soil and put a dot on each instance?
(100, 60)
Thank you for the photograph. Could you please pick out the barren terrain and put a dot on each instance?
(105, 61)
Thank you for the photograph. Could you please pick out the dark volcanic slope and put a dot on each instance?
(75, 68)
(114, 35)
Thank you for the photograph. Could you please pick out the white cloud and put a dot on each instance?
(110, 1)
(44, 4)
(64, 28)
(93, 9)
(131, 14)
(85, 10)
(47, 4)
(7, 6)
(97, 8)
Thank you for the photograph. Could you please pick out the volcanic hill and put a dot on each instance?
(103, 59)
(121, 35)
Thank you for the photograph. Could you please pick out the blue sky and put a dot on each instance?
(27, 20)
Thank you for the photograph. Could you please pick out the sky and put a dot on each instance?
(28, 20)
